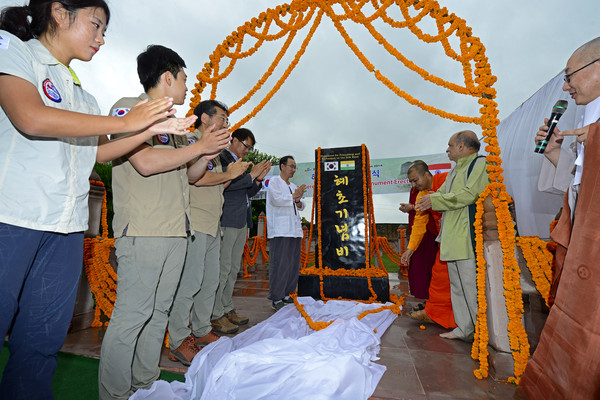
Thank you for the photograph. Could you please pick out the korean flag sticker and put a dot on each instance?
(163, 138)
(191, 141)
(51, 91)
(4, 41)
(210, 166)
(330, 166)
(120, 112)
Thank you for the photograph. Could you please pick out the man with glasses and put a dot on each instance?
(284, 230)
(200, 276)
(565, 363)
(235, 221)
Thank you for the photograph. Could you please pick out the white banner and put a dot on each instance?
(388, 175)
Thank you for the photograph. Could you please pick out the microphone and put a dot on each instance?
(557, 111)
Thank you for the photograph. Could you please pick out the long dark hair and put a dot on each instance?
(29, 22)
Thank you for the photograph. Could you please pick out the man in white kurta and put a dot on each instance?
(284, 229)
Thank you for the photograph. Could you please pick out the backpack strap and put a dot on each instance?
(472, 207)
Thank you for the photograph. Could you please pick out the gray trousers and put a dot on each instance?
(284, 266)
(196, 291)
(463, 291)
(148, 273)
(232, 249)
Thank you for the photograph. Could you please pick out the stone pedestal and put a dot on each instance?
(500, 356)
(84, 302)
(260, 228)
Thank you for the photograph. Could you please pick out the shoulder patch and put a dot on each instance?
(4, 41)
(163, 138)
(120, 112)
(51, 91)
(191, 141)
(210, 166)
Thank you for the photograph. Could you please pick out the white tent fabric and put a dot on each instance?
(535, 210)
(282, 357)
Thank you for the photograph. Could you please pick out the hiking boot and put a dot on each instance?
(277, 305)
(223, 326)
(288, 300)
(185, 352)
(207, 339)
(236, 319)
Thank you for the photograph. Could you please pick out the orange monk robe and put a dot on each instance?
(566, 362)
(439, 305)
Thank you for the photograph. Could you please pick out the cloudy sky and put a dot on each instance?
(330, 99)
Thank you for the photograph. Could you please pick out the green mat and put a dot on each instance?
(77, 376)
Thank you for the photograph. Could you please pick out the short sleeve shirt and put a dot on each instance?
(44, 181)
(206, 201)
(156, 205)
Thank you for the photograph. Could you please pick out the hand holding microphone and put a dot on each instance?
(557, 111)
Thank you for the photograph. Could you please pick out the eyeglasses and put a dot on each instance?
(568, 76)
(292, 166)
(249, 148)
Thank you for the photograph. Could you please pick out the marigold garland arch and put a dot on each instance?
(285, 21)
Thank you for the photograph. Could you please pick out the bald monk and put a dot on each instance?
(438, 308)
(566, 362)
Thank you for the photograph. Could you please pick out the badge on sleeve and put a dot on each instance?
(120, 112)
(51, 91)
(191, 141)
(163, 138)
(210, 166)
(4, 41)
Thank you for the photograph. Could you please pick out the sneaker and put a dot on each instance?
(185, 352)
(277, 305)
(288, 300)
(207, 339)
(236, 319)
(223, 326)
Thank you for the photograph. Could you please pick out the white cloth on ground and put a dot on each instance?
(282, 357)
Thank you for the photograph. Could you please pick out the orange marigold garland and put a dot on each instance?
(395, 307)
(259, 247)
(539, 262)
(479, 350)
(478, 82)
(101, 275)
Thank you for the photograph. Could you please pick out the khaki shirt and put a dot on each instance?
(206, 201)
(156, 205)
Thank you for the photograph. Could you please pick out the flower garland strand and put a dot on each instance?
(478, 82)
(100, 274)
(539, 262)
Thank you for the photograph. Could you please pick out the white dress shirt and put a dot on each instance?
(283, 216)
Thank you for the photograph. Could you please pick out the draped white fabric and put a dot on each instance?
(535, 210)
(282, 358)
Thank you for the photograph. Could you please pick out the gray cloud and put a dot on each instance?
(330, 99)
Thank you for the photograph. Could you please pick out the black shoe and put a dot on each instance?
(288, 300)
(277, 305)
